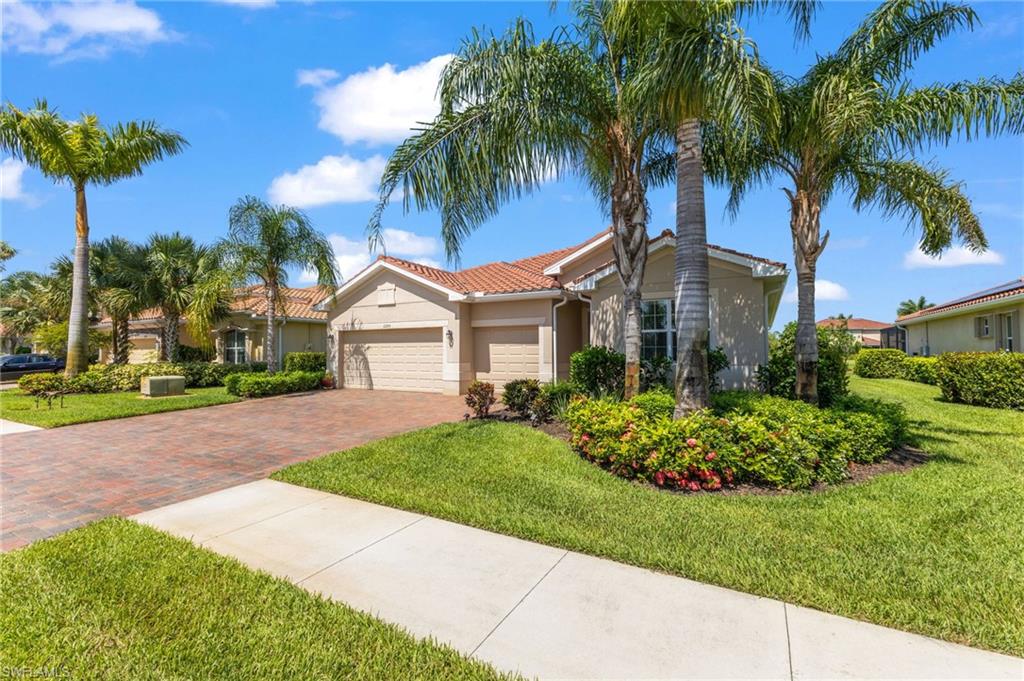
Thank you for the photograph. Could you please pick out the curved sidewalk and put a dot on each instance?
(543, 611)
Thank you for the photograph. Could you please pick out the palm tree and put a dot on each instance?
(6, 253)
(851, 123)
(910, 306)
(80, 153)
(119, 274)
(186, 281)
(262, 243)
(21, 306)
(704, 68)
(514, 112)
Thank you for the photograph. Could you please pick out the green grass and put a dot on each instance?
(16, 405)
(117, 600)
(937, 550)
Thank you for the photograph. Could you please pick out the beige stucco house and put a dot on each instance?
(400, 325)
(985, 321)
(868, 332)
(238, 338)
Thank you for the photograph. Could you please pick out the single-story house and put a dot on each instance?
(984, 321)
(401, 325)
(238, 338)
(867, 331)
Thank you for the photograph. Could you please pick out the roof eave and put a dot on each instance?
(964, 309)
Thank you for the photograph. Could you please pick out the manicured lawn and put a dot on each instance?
(18, 406)
(117, 600)
(938, 550)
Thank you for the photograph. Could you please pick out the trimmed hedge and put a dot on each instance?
(749, 438)
(305, 361)
(880, 363)
(987, 379)
(921, 370)
(264, 385)
(106, 378)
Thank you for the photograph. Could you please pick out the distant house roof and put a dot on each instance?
(855, 324)
(1008, 290)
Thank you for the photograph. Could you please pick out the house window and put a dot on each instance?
(1008, 340)
(981, 327)
(657, 327)
(234, 347)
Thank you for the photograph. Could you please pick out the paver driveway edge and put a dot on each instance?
(552, 613)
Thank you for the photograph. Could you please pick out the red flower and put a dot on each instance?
(711, 456)
(690, 442)
(694, 486)
(585, 437)
(659, 478)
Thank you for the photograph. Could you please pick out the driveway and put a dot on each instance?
(55, 480)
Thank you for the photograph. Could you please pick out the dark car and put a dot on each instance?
(13, 367)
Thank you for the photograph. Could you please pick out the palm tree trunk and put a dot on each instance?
(121, 343)
(691, 273)
(78, 324)
(115, 339)
(169, 348)
(805, 225)
(268, 336)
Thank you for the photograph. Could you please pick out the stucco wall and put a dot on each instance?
(737, 313)
(956, 334)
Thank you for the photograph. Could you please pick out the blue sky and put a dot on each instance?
(301, 103)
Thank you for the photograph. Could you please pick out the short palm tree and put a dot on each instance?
(516, 111)
(119, 274)
(186, 281)
(852, 124)
(21, 306)
(262, 243)
(80, 153)
(910, 306)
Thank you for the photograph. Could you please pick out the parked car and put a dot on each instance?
(13, 367)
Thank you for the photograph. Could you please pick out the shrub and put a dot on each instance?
(305, 361)
(655, 403)
(879, 363)
(778, 376)
(125, 377)
(921, 369)
(552, 400)
(655, 373)
(264, 385)
(718, 362)
(988, 379)
(37, 384)
(598, 371)
(893, 416)
(520, 394)
(480, 398)
(188, 353)
(91, 381)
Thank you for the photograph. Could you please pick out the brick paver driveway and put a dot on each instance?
(54, 480)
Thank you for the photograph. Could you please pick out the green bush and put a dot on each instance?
(188, 353)
(54, 337)
(598, 371)
(37, 384)
(921, 369)
(778, 376)
(655, 403)
(880, 363)
(893, 416)
(126, 377)
(987, 379)
(480, 398)
(520, 394)
(552, 400)
(758, 439)
(264, 385)
(91, 381)
(305, 361)
(718, 362)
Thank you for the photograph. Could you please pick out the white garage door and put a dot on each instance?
(395, 359)
(505, 353)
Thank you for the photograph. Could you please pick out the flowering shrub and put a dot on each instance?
(480, 398)
(263, 385)
(988, 379)
(756, 439)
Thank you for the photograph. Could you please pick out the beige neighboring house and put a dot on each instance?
(239, 337)
(399, 325)
(985, 321)
(868, 332)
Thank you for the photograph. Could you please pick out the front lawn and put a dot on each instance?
(16, 405)
(936, 550)
(117, 600)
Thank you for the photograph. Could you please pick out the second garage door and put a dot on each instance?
(504, 353)
(394, 359)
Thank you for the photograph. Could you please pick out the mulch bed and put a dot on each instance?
(897, 461)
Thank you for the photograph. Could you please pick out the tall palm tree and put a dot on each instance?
(515, 111)
(120, 273)
(262, 243)
(80, 153)
(910, 306)
(186, 281)
(852, 123)
(6, 253)
(703, 68)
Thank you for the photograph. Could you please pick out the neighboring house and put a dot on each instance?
(867, 331)
(400, 325)
(239, 337)
(984, 321)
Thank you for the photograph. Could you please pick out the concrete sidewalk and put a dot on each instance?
(12, 427)
(543, 611)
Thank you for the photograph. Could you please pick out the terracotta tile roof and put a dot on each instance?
(855, 323)
(292, 303)
(1010, 288)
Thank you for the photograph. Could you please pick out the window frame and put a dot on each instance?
(983, 326)
(232, 349)
(668, 330)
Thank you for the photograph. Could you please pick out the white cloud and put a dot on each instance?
(823, 290)
(73, 30)
(315, 77)
(333, 179)
(11, 189)
(353, 255)
(958, 256)
(381, 104)
(249, 4)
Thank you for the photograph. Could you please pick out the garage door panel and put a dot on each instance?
(395, 359)
(502, 354)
